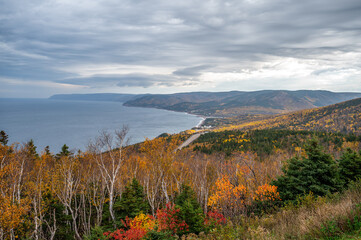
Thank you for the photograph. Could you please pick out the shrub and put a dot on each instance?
(157, 235)
(214, 219)
(133, 229)
(266, 199)
(169, 220)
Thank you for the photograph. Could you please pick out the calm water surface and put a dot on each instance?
(55, 122)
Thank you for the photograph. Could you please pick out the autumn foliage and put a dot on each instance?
(133, 229)
(214, 219)
(267, 192)
(168, 219)
(161, 189)
(228, 198)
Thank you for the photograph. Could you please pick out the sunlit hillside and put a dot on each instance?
(342, 117)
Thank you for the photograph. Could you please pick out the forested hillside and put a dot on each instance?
(269, 141)
(342, 117)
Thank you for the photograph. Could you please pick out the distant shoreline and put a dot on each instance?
(201, 122)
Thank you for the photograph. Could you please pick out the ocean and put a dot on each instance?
(54, 123)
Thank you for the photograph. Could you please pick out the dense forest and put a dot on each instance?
(226, 185)
(268, 141)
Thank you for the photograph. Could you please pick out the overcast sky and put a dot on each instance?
(165, 46)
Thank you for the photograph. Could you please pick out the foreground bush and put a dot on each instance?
(133, 229)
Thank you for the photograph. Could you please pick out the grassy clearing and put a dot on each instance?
(317, 218)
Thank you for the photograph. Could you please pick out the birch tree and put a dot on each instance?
(108, 154)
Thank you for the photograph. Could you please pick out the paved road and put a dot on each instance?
(189, 140)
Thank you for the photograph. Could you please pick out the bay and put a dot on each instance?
(56, 122)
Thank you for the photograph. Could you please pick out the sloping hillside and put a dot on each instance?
(236, 103)
(343, 117)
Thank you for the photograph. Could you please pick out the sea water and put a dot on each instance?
(54, 123)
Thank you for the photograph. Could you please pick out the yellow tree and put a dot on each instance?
(159, 156)
(228, 198)
(12, 206)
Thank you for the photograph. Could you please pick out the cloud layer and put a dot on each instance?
(161, 46)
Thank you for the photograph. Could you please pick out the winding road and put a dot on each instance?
(190, 140)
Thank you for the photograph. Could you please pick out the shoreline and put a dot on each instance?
(201, 122)
(199, 125)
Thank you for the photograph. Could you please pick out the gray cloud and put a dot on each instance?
(128, 80)
(192, 71)
(39, 39)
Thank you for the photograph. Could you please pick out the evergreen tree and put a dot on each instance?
(31, 149)
(316, 173)
(47, 151)
(62, 220)
(350, 166)
(133, 201)
(3, 137)
(190, 210)
(64, 152)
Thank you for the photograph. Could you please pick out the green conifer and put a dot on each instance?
(133, 201)
(316, 173)
(350, 166)
(190, 210)
(3, 137)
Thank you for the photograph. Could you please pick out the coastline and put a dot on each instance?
(201, 122)
(199, 125)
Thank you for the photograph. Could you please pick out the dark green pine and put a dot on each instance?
(190, 210)
(350, 166)
(316, 173)
(133, 201)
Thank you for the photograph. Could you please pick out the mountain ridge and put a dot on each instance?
(224, 104)
(238, 102)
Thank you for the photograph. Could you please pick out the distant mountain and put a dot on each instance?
(343, 117)
(236, 102)
(113, 97)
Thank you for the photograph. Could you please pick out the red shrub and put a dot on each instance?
(214, 219)
(168, 220)
(133, 233)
